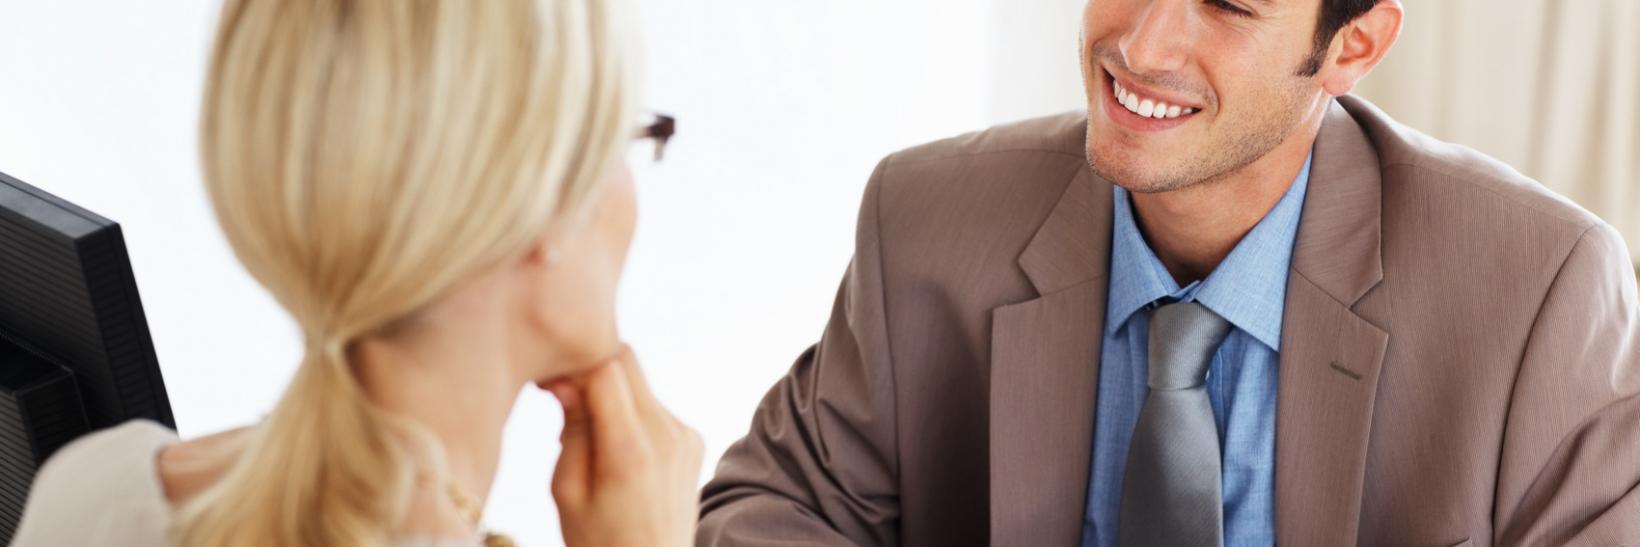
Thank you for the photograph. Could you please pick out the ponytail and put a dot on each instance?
(322, 469)
(364, 158)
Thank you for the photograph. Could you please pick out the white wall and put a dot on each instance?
(784, 108)
(1037, 71)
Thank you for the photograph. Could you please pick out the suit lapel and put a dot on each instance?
(1330, 356)
(1045, 358)
(1045, 372)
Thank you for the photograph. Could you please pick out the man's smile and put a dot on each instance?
(1141, 109)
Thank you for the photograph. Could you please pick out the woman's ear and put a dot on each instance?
(544, 253)
(1363, 43)
(537, 257)
(562, 238)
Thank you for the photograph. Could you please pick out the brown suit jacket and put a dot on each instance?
(1459, 361)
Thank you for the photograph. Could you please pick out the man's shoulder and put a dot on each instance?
(962, 205)
(1057, 135)
(1447, 177)
(1010, 171)
(1450, 201)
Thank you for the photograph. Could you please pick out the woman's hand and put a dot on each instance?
(629, 470)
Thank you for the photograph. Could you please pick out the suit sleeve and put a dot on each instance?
(1570, 473)
(819, 465)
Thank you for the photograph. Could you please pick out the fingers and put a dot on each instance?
(674, 442)
(694, 449)
(629, 471)
(648, 406)
(616, 424)
(571, 480)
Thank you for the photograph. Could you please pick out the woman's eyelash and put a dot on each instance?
(1231, 8)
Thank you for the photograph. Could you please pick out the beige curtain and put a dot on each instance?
(1551, 87)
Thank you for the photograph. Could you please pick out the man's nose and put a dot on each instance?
(1158, 41)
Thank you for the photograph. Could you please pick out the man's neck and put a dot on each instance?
(1193, 229)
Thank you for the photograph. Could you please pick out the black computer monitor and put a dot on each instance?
(75, 355)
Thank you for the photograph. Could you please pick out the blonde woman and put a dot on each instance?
(436, 192)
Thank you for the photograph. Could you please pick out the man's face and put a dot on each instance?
(1226, 71)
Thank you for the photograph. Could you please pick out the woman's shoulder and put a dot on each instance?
(102, 487)
(115, 460)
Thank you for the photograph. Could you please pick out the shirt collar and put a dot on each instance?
(1249, 288)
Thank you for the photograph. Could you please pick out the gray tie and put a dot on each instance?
(1170, 490)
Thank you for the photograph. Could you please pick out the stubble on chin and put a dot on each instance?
(1218, 161)
(1120, 171)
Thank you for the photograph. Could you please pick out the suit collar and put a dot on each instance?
(1338, 244)
(1330, 356)
(1339, 234)
(1073, 244)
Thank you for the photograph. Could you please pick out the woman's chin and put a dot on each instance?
(587, 358)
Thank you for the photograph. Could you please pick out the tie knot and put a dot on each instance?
(1183, 336)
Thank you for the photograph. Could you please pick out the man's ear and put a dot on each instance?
(1360, 45)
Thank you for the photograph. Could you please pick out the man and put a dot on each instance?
(1229, 305)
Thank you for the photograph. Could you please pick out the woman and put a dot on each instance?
(436, 193)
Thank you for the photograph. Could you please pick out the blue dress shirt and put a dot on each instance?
(1249, 288)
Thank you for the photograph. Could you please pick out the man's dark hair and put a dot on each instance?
(1334, 15)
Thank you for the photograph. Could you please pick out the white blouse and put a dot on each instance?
(104, 489)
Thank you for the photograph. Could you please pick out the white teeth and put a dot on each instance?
(1148, 108)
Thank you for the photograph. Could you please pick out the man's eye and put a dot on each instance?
(1233, 9)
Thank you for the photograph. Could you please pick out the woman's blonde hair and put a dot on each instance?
(364, 157)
